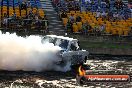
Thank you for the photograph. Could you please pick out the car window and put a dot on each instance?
(57, 42)
(73, 46)
(63, 44)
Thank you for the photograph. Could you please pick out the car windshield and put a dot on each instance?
(56, 41)
(61, 43)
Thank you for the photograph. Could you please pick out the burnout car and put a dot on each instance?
(70, 50)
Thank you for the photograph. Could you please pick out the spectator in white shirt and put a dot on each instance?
(88, 1)
(98, 14)
(103, 14)
(115, 15)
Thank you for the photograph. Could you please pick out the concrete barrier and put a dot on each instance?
(110, 51)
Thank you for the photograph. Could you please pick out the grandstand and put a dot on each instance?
(103, 17)
(78, 16)
(22, 15)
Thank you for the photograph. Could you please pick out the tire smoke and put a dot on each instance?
(28, 54)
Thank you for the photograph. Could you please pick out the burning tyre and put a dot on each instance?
(80, 75)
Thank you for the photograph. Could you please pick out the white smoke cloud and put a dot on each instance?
(28, 54)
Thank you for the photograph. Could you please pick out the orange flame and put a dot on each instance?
(81, 71)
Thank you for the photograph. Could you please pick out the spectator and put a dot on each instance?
(68, 26)
(23, 6)
(115, 15)
(58, 6)
(107, 3)
(85, 28)
(36, 17)
(70, 6)
(103, 14)
(29, 5)
(5, 21)
(96, 29)
(37, 23)
(89, 27)
(63, 15)
(78, 19)
(55, 2)
(45, 22)
(98, 14)
(71, 18)
(119, 4)
(121, 17)
(5, 15)
(88, 1)
(31, 15)
(14, 16)
(126, 16)
(129, 5)
(77, 8)
(102, 28)
(109, 15)
(103, 2)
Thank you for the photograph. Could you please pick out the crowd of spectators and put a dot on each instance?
(31, 20)
(66, 5)
(102, 11)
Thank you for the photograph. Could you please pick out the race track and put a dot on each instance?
(50, 79)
